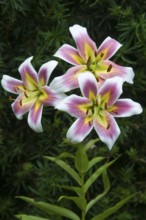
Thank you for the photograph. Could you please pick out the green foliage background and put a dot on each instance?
(39, 28)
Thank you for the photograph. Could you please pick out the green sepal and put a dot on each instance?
(81, 160)
(65, 167)
(106, 184)
(113, 209)
(29, 217)
(79, 201)
(96, 174)
(51, 209)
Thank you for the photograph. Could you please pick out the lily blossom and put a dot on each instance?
(33, 92)
(87, 57)
(97, 109)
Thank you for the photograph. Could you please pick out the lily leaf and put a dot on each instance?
(106, 183)
(65, 167)
(96, 174)
(94, 161)
(29, 217)
(91, 143)
(51, 209)
(75, 189)
(113, 209)
(66, 155)
(79, 201)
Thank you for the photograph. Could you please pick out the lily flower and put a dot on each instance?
(87, 57)
(33, 92)
(97, 109)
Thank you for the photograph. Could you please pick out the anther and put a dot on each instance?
(20, 102)
(102, 54)
(95, 54)
(89, 123)
(88, 61)
(87, 111)
(109, 68)
(108, 126)
(15, 88)
(25, 94)
(10, 98)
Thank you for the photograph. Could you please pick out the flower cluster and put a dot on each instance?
(99, 79)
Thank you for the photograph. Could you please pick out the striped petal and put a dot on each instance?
(45, 72)
(50, 97)
(35, 116)
(28, 74)
(88, 85)
(74, 105)
(85, 45)
(110, 90)
(69, 54)
(109, 134)
(108, 48)
(20, 108)
(125, 108)
(108, 69)
(68, 81)
(10, 84)
(79, 130)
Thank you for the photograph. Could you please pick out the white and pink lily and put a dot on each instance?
(97, 109)
(33, 92)
(88, 58)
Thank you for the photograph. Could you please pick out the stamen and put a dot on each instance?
(95, 54)
(109, 68)
(10, 98)
(108, 126)
(20, 102)
(25, 94)
(101, 55)
(16, 89)
(87, 111)
(89, 123)
(105, 105)
(88, 61)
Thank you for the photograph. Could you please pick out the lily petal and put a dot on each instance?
(45, 72)
(125, 108)
(69, 54)
(110, 90)
(108, 69)
(108, 48)
(68, 81)
(19, 108)
(75, 105)
(10, 84)
(50, 97)
(107, 135)
(35, 116)
(28, 74)
(85, 45)
(88, 85)
(79, 130)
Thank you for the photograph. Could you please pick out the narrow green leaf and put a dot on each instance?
(113, 209)
(96, 174)
(66, 155)
(29, 217)
(94, 161)
(106, 183)
(51, 209)
(91, 143)
(81, 161)
(79, 201)
(65, 167)
(75, 189)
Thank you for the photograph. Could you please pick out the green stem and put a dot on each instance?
(83, 195)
